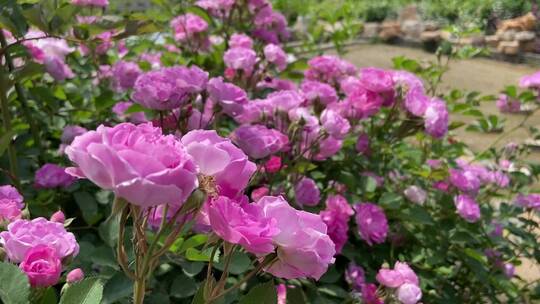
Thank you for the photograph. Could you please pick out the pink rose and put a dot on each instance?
(275, 55)
(218, 157)
(530, 81)
(336, 125)
(244, 224)
(187, 26)
(42, 266)
(315, 91)
(372, 223)
(415, 194)
(22, 235)
(124, 75)
(52, 176)
(303, 246)
(240, 40)
(409, 293)
(336, 216)
(11, 203)
(355, 276)
(436, 118)
(240, 59)
(400, 275)
(307, 193)
(273, 165)
(376, 80)
(136, 162)
(467, 208)
(257, 193)
(70, 132)
(230, 97)
(257, 141)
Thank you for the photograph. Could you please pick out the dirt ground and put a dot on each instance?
(484, 75)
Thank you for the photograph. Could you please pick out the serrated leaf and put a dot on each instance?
(183, 287)
(15, 288)
(88, 291)
(264, 293)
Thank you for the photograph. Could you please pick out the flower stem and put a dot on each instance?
(139, 291)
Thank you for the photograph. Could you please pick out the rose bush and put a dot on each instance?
(198, 157)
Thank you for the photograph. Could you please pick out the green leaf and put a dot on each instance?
(183, 287)
(296, 296)
(193, 254)
(117, 288)
(108, 230)
(15, 288)
(264, 293)
(193, 241)
(28, 71)
(88, 291)
(240, 262)
(89, 208)
(390, 200)
(11, 17)
(49, 296)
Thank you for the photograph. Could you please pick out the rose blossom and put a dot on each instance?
(465, 180)
(22, 235)
(372, 223)
(42, 266)
(319, 91)
(328, 147)
(467, 208)
(168, 88)
(376, 80)
(187, 26)
(307, 193)
(70, 132)
(273, 164)
(528, 201)
(415, 194)
(275, 54)
(409, 293)
(530, 81)
(257, 193)
(369, 294)
(336, 216)
(257, 141)
(355, 276)
(329, 69)
(361, 104)
(229, 96)
(74, 276)
(120, 109)
(506, 104)
(303, 246)
(124, 75)
(11, 203)
(362, 143)
(398, 276)
(52, 176)
(436, 118)
(243, 223)
(136, 162)
(218, 157)
(240, 40)
(240, 59)
(336, 125)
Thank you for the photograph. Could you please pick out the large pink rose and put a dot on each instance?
(22, 235)
(219, 157)
(243, 223)
(42, 266)
(136, 162)
(304, 248)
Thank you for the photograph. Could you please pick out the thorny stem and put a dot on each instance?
(121, 251)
